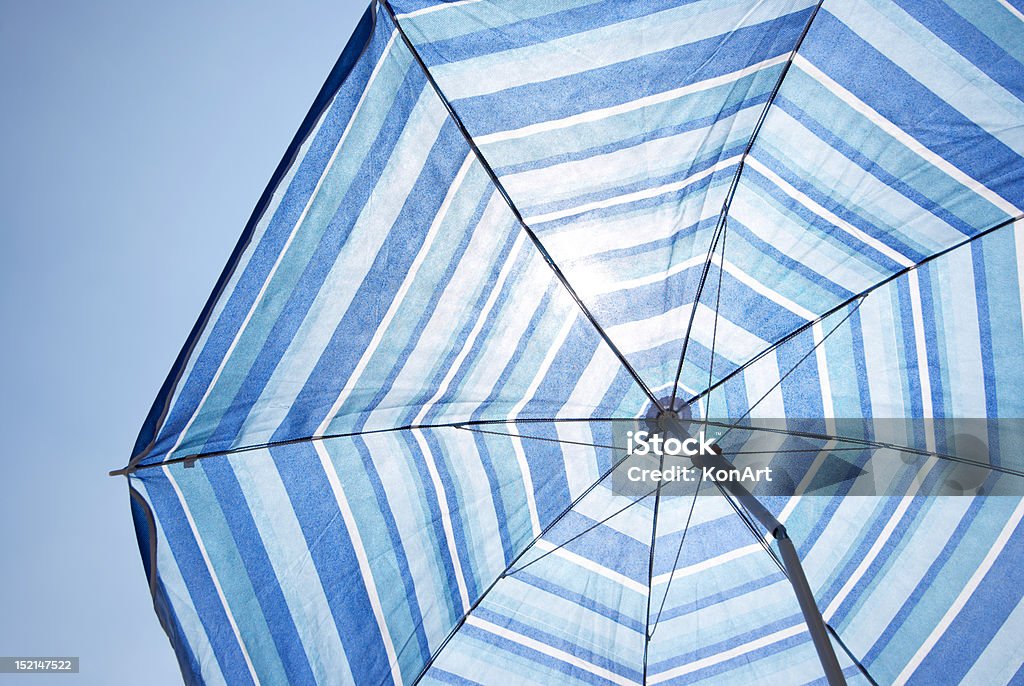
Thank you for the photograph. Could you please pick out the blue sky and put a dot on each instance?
(136, 139)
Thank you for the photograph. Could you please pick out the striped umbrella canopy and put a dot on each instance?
(511, 231)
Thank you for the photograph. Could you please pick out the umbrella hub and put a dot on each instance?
(657, 419)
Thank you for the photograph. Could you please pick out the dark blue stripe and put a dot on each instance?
(556, 642)
(966, 39)
(909, 360)
(632, 79)
(572, 358)
(497, 496)
(397, 544)
(265, 583)
(721, 112)
(988, 368)
(901, 99)
(536, 30)
(603, 544)
(976, 625)
(428, 312)
(391, 264)
(802, 376)
(863, 156)
(145, 531)
(334, 558)
(931, 577)
(198, 582)
(932, 323)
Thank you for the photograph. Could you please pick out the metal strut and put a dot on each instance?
(790, 559)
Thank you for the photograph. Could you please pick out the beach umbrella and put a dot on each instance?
(517, 244)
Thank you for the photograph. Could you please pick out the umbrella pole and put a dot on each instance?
(790, 559)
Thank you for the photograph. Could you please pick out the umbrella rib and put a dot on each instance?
(648, 630)
(650, 570)
(675, 562)
(733, 185)
(191, 459)
(794, 367)
(718, 306)
(504, 573)
(892, 277)
(580, 534)
(515, 210)
(617, 447)
(464, 427)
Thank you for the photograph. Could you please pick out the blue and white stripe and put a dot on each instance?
(375, 458)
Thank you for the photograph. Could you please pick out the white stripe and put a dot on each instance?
(364, 563)
(605, 112)
(704, 566)
(903, 137)
(544, 648)
(467, 346)
(553, 349)
(727, 654)
(446, 517)
(922, 356)
(302, 587)
(434, 8)
(872, 553)
(399, 298)
(213, 574)
(753, 284)
(965, 595)
(607, 286)
(880, 541)
(591, 566)
(179, 597)
(528, 488)
(284, 250)
(632, 197)
(1018, 241)
(827, 215)
(824, 379)
(1013, 10)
